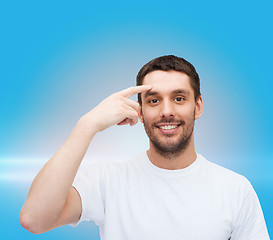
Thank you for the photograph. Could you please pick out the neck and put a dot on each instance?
(178, 160)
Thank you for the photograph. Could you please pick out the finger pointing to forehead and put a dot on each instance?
(135, 90)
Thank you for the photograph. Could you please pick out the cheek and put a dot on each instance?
(149, 114)
(185, 112)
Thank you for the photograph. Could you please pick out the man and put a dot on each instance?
(169, 192)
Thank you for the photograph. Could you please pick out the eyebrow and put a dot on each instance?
(181, 91)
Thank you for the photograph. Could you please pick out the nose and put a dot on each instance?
(167, 109)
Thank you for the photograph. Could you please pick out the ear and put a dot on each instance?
(199, 107)
(140, 114)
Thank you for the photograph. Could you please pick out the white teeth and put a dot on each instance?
(168, 127)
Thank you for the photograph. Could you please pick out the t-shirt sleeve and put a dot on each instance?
(250, 224)
(88, 183)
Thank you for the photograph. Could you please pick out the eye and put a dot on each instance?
(179, 99)
(153, 101)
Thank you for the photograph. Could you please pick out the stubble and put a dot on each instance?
(167, 146)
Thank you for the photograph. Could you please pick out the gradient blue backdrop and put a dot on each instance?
(61, 58)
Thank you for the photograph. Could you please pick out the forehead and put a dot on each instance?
(168, 81)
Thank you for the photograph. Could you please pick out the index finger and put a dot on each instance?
(134, 90)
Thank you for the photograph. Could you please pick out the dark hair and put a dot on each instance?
(168, 63)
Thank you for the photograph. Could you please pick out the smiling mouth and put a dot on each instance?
(169, 127)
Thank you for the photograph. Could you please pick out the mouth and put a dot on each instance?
(168, 128)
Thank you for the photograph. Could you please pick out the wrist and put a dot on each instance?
(87, 125)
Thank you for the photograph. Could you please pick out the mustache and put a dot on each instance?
(169, 120)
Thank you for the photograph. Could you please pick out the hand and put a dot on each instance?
(116, 109)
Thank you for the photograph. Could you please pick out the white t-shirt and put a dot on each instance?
(136, 200)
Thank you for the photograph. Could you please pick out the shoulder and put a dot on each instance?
(112, 168)
(224, 177)
(119, 167)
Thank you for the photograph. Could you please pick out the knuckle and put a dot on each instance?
(115, 96)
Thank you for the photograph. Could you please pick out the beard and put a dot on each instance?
(170, 146)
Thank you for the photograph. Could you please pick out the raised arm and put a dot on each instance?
(52, 201)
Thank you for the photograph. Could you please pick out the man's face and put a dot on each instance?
(169, 111)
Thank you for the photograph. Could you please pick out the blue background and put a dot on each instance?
(61, 58)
